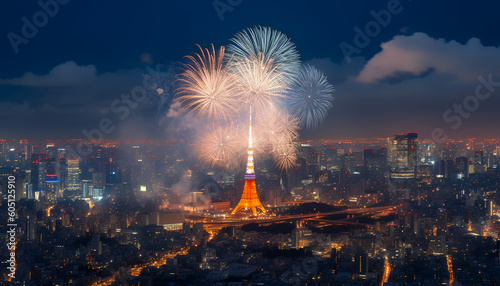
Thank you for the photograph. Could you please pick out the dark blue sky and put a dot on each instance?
(105, 41)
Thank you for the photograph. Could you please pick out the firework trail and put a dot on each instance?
(310, 96)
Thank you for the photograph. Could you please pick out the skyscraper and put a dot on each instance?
(52, 184)
(479, 164)
(403, 156)
(375, 160)
(73, 178)
(360, 262)
(462, 167)
(35, 172)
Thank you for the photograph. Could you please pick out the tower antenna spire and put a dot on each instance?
(249, 199)
(250, 172)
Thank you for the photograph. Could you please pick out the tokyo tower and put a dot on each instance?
(249, 199)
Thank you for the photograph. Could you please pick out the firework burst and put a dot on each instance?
(261, 70)
(220, 146)
(260, 84)
(310, 96)
(274, 47)
(277, 131)
(208, 88)
(275, 125)
(285, 154)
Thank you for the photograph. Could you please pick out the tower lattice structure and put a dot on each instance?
(249, 199)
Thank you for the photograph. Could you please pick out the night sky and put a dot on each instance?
(63, 78)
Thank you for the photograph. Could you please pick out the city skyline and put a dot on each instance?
(349, 207)
(240, 143)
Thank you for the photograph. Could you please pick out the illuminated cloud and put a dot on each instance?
(418, 56)
(66, 74)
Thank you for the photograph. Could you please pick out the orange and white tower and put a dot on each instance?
(249, 199)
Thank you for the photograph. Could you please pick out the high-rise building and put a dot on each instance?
(30, 194)
(4, 147)
(375, 160)
(35, 172)
(328, 157)
(73, 178)
(51, 150)
(301, 237)
(30, 227)
(427, 153)
(403, 155)
(42, 172)
(361, 262)
(312, 158)
(86, 187)
(479, 157)
(462, 167)
(447, 169)
(52, 184)
(296, 174)
(52, 191)
(442, 222)
(479, 164)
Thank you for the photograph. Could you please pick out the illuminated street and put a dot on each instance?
(387, 272)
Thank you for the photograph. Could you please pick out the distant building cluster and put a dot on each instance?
(390, 211)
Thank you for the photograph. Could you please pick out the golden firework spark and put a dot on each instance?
(208, 89)
(220, 146)
(259, 83)
(260, 71)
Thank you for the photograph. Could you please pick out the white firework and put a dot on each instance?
(273, 47)
(260, 85)
(310, 96)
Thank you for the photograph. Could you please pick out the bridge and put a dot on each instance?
(211, 223)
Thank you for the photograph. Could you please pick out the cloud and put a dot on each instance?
(66, 74)
(390, 91)
(69, 98)
(418, 55)
(176, 122)
(14, 109)
(400, 76)
(175, 110)
(69, 85)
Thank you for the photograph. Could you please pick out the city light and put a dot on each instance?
(232, 142)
